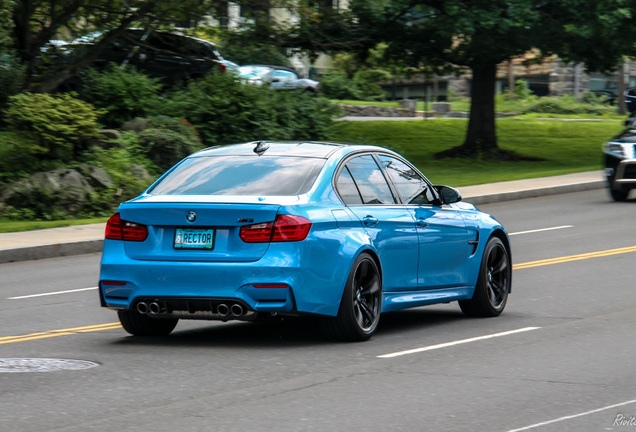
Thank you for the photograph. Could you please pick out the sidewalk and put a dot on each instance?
(83, 239)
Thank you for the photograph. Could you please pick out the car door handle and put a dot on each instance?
(421, 223)
(369, 221)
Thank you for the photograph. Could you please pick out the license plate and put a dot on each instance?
(194, 238)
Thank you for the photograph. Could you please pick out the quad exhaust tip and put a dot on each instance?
(142, 308)
(223, 310)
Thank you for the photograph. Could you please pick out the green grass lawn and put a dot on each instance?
(564, 147)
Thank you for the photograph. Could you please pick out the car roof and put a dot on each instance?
(274, 148)
(271, 67)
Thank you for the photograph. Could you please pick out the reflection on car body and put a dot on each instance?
(344, 232)
(170, 56)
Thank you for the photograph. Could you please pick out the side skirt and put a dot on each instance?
(392, 301)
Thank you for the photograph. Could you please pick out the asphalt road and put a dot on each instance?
(560, 358)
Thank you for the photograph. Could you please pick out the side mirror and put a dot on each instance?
(448, 195)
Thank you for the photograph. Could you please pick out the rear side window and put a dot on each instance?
(369, 180)
(347, 188)
(241, 175)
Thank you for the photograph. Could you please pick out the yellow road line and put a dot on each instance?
(571, 258)
(61, 332)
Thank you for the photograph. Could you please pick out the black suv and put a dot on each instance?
(170, 56)
(620, 161)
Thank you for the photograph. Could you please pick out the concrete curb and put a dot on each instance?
(51, 250)
(534, 193)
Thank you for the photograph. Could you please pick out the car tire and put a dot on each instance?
(142, 325)
(619, 195)
(493, 282)
(360, 308)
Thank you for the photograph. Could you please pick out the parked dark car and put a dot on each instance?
(170, 56)
(620, 161)
(278, 77)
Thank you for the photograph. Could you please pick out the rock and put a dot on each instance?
(63, 189)
(441, 108)
(96, 176)
(140, 173)
(136, 125)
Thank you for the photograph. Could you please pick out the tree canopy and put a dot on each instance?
(27, 26)
(444, 35)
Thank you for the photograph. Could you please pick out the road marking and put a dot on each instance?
(459, 342)
(542, 230)
(51, 293)
(571, 258)
(560, 419)
(61, 332)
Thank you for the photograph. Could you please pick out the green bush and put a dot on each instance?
(226, 111)
(12, 76)
(165, 147)
(366, 81)
(20, 154)
(566, 105)
(363, 86)
(336, 85)
(123, 93)
(60, 124)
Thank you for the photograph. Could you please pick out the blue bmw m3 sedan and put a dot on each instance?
(344, 232)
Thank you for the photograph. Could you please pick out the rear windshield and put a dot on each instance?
(241, 175)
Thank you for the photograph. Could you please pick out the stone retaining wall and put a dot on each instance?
(375, 111)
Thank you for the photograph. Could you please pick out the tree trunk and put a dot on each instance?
(481, 137)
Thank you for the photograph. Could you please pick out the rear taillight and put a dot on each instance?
(118, 229)
(286, 228)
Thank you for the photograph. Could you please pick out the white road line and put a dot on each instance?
(542, 229)
(51, 293)
(560, 419)
(459, 342)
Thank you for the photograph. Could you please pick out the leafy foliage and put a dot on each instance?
(12, 77)
(165, 147)
(336, 85)
(36, 22)
(567, 105)
(123, 93)
(226, 111)
(60, 123)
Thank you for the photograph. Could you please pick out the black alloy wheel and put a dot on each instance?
(360, 308)
(493, 283)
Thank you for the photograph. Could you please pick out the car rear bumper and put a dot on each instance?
(278, 282)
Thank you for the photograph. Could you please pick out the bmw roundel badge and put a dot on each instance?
(192, 216)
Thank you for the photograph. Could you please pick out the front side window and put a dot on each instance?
(370, 181)
(409, 183)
